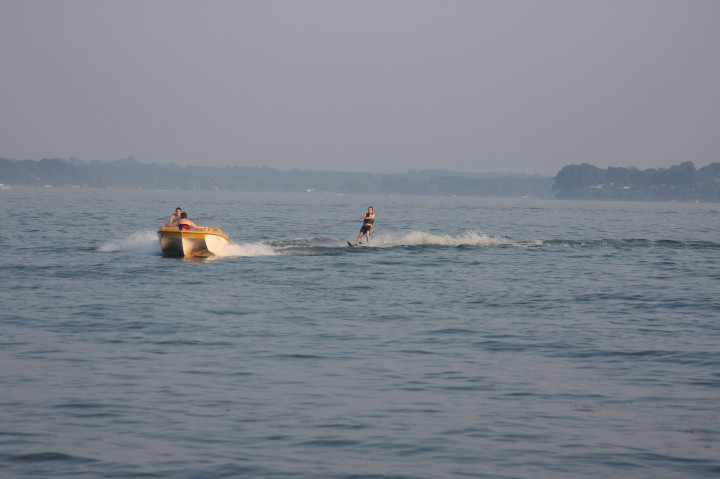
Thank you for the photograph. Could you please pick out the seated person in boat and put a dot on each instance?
(185, 224)
(175, 217)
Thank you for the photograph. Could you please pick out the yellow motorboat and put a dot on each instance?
(176, 242)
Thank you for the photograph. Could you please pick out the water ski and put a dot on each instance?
(350, 244)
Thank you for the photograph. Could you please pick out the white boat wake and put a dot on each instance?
(420, 238)
(142, 242)
(146, 242)
(246, 249)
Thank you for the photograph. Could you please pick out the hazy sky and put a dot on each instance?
(381, 86)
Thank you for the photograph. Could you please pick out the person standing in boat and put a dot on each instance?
(185, 224)
(175, 217)
(368, 219)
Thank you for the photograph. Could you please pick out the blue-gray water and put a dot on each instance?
(491, 338)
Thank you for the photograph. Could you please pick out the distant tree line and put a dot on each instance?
(129, 173)
(678, 183)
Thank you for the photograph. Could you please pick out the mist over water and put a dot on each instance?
(473, 338)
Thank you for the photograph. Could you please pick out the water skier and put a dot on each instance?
(368, 219)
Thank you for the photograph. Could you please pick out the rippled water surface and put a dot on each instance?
(491, 338)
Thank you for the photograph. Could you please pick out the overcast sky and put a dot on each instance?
(381, 86)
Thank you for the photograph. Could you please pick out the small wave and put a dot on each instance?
(143, 242)
(247, 249)
(630, 243)
(50, 456)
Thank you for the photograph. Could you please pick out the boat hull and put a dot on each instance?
(188, 243)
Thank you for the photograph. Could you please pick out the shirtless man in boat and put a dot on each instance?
(175, 217)
(185, 224)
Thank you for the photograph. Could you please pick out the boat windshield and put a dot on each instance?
(209, 221)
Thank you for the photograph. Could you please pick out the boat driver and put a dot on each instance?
(175, 217)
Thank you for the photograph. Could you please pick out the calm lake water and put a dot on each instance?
(487, 338)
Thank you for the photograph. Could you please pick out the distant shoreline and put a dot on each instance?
(681, 183)
(129, 173)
